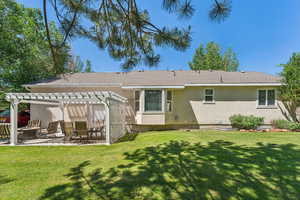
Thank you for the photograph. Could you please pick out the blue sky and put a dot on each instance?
(262, 33)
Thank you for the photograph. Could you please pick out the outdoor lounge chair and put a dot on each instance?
(67, 129)
(4, 131)
(33, 124)
(81, 129)
(31, 130)
(52, 128)
(101, 129)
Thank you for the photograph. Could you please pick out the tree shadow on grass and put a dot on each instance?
(4, 180)
(128, 137)
(182, 170)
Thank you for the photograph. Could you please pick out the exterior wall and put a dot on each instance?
(129, 94)
(150, 118)
(188, 106)
(45, 113)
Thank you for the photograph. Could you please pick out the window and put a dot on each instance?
(137, 100)
(209, 95)
(169, 101)
(266, 97)
(153, 100)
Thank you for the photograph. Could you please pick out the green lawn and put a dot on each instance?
(158, 165)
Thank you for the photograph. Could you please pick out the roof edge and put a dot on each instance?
(234, 84)
(151, 86)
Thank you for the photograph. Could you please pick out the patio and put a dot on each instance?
(102, 121)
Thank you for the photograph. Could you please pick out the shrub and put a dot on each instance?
(280, 123)
(246, 122)
(284, 124)
(294, 126)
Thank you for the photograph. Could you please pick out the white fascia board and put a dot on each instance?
(235, 84)
(72, 85)
(154, 87)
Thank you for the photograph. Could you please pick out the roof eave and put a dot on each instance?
(233, 84)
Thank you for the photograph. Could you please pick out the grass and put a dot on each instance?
(158, 165)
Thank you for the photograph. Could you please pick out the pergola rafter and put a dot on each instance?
(65, 97)
(60, 99)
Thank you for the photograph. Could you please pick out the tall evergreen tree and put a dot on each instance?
(77, 65)
(124, 29)
(198, 59)
(230, 61)
(88, 66)
(211, 57)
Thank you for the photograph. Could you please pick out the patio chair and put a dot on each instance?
(81, 129)
(99, 130)
(61, 124)
(4, 131)
(51, 129)
(33, 124)
(33, 127)
(67, 129)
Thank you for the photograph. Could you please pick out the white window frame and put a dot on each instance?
(162, 102)
(137, 100)
(213, 96)
(266, 102)
(172, 101)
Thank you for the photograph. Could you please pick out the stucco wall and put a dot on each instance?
(150, 118)
(189, 107)
(129, 94)
(45, 113)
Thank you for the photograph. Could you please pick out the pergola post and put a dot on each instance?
(62, 109)
(14, 122)
(107, 123)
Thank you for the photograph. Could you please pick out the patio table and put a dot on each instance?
(29, 132)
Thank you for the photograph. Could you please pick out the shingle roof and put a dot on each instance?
(160, 78)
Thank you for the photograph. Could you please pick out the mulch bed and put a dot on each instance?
(269, 130)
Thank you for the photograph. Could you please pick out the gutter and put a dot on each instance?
(234, 84)
(86, 85)
(72, 85)
(154, 87)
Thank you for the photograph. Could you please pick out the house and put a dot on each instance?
(168, 99)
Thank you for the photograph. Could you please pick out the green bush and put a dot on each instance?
(246, 122)
(294, 126)
(284, 124)
(280, 123)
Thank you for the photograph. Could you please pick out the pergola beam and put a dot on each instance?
(40, 102)
(100, 95)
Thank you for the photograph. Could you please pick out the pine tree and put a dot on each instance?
(211, 57)
(198, 59)
(88, 66)
(230, 61)
(124, 28)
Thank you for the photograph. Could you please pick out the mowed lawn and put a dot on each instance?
(158, 165)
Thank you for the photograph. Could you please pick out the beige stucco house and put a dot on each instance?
(169, 99)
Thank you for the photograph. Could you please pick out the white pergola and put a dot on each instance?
(107, 98)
